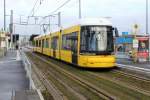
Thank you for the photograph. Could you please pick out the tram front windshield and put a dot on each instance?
(96, 39)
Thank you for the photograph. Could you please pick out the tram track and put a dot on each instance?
(53, 86)
(50, 87)
(95, 90)
(122, 74)
(126, 80)
(131, 75)
(128, 84)
(99, 81)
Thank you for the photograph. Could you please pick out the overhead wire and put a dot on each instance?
(32, 11)
(38, 6)
(52, 13)
(60, 6)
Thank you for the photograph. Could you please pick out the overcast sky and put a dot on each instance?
(123, 13)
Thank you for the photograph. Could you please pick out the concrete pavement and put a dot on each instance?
(12, 76)
(131, 63)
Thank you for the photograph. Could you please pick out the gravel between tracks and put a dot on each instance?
(116, 88)
(77, 88)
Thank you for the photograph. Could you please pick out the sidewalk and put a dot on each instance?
(123, 58)
(131, 63)
(11, 55)
(12, 75)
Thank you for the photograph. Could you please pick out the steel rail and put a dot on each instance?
(81, 81)
(124, 84)
(56, 94)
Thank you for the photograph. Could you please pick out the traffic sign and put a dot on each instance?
(125, 33)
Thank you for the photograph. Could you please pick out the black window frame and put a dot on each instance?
(107, 51)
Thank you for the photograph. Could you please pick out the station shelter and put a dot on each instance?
(126, 45)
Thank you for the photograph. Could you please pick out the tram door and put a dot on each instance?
(42, 45)
(54, 52)
(74, 42)
(54, 45)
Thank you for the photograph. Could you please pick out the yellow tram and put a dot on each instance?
(88, 44)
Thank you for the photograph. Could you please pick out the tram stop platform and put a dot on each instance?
(14, 83)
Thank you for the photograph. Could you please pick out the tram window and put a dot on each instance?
(63, 41)
(43, 42)
(74, 41)
(54, 43)
(47, 43)
(66, 42)
(110, 40)
(96, 39)
(36, 43)
(39, 43)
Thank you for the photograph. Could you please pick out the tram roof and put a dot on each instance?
(95, 21)
(102, 21)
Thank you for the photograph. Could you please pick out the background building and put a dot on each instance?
(126, 48)
(2, 43)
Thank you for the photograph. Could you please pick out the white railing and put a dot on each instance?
(28, 68)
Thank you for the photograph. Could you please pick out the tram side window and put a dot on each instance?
(83, 41)
(43, 43)
(47, 43)
(36, 43)
(66, 42)
(110, 41)
(39, 43)
(74, 41)
(54, 43)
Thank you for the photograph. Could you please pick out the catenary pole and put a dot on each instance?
(80, 16)
(4, 15)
